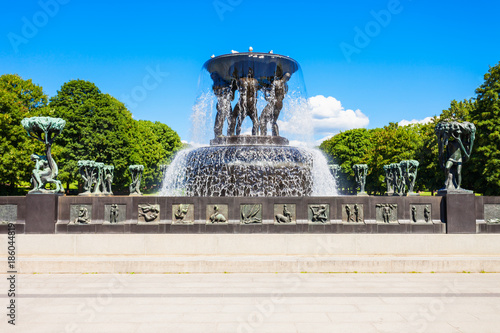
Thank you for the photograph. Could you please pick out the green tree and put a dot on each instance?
(168, 138)
(98, 127)
(391, 144)
(346, 149)
(18, 99)
(459, 111)
(149, 151)
(485, 115)
(430, 176)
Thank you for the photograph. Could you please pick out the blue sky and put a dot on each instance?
(415, 58)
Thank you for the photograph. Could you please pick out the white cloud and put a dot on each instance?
(405, 122)
(320, 118)
(329, 136)
(329, 116)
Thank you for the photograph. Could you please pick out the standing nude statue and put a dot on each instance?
(225, 94)
(274, 96)
(113, 213)
(455, 146)
(427, 213)
(356, 213)
(386, 213)
(348, 213)
(389, 179)
(247, 105)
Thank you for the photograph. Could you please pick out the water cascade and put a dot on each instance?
(254, 161)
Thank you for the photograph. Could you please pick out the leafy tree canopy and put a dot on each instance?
(485, 114)
(391, 144)
(100, 128)
(18, 99)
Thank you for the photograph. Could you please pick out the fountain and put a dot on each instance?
(252, 179)
(258, 164)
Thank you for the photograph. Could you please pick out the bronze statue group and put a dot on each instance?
(274, 90)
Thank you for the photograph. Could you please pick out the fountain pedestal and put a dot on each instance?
(249, 140)
(250, 170)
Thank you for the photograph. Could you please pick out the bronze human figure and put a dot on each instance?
(389, 179)
(274, 95)
(136, 175)
(348, 213)
(149, 212)
(99, 177)
(83, 216)
(386, 213)
(397, 179)
(356, 213)
(108, 174)
(113, 213)
(181, 212)
(318, 213)
(286, 217)
(225, 94)
(41, 170)
(427, 213)
(455, 146)
(360, 171)
(409, 173)
(247, 105)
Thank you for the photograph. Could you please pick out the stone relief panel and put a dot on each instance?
(183, 214)
(217, 214)
(386, 213)
(80, 214)
(285, 214)
(251, 214)
(115, 213)
(319, 213)
(492, 213)
(148, 213)
(352, 213)
(420, 213)
(8, 213)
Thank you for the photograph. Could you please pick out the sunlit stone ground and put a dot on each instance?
(255, 303)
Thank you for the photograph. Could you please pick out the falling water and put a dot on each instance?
(174, 178)
(323, 182)
(254, 171)
(257, 170)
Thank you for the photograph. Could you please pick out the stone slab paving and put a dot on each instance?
(305, 303)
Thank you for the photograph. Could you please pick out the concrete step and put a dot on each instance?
(256, 264)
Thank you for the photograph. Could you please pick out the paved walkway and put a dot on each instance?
(245, 303)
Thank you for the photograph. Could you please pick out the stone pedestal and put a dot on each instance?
(460, 213)
(250, 140)
(41, 213)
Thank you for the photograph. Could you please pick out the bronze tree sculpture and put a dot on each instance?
(45, 130)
